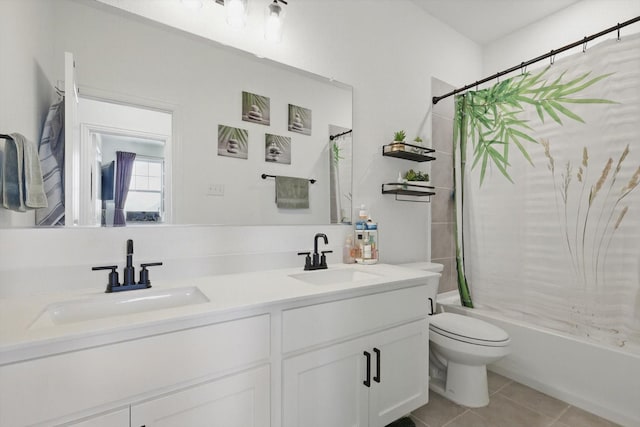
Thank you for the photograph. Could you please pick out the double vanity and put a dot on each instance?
(347, 345)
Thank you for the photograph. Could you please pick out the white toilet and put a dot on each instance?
(460, 349)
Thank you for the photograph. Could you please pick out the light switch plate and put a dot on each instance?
(215, 190)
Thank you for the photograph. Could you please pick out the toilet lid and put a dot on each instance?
(468, 329)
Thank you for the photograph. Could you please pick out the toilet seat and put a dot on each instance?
(468, 330)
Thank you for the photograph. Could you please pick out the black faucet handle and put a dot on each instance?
(307, 260)
(144, 273)
(113, 276)
(323, 258)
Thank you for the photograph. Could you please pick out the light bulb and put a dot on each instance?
(273, 22)
(236, 13)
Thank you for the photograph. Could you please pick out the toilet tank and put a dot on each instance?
(434, 268)
(424, 265)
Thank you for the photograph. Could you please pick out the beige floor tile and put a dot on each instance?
(438, 411)
(576, 417)
(503, 412)
(555, 424)
(418, 422)
(469, 419)
(496, 381)
(534, 400)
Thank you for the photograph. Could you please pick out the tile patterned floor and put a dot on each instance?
(512, 405)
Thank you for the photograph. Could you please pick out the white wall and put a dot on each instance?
(25, 79)
(387, 49)
(567, 26)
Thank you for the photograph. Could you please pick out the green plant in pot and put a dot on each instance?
(416, 177)
(417, 141)
(398, 141)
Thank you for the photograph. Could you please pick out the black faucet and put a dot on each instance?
(318, 262)
(129, 282)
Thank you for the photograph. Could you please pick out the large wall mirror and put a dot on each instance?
(206, 122)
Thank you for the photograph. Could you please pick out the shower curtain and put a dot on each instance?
(547, 195)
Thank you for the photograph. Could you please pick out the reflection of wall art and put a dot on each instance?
(277, 149)
(255, 108)
(233, 142)
(299, 119)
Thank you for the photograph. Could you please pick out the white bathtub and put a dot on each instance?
(601, 380)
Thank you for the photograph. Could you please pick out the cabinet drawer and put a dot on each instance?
(74, 383)
(316, 324)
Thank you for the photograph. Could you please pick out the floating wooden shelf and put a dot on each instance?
(406, 151)
(406, 189)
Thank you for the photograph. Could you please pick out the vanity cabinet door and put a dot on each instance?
(112, 419)
(325, 387)
(402, 383)
(238, 400)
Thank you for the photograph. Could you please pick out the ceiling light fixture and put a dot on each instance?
(274, 18)
(192, 4)
(236, 13)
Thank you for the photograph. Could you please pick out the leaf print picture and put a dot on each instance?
(256, 108)
(299, 119)
(233, 142)
(277, 149)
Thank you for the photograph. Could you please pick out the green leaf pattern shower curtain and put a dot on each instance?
(551, 212)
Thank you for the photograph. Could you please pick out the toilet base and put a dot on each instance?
(465, 385)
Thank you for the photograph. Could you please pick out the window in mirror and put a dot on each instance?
(146, 191)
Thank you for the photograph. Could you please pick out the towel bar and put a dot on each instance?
(265, 176)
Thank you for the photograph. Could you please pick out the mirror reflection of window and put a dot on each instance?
(146, 191)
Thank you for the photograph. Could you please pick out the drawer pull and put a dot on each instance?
(376, 378)
(367, 381)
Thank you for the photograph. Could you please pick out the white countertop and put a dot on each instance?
(244, 294)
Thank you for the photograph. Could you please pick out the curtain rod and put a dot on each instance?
(553, 52)
(332, 137)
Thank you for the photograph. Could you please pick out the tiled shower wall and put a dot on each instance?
(443, 249)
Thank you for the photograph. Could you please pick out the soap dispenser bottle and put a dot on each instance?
(348, 252)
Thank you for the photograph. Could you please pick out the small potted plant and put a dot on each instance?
(416, 178)
(398, 141)
(417, 141)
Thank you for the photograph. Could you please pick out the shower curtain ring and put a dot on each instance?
(552, 57)
(618, 31)
(584, 45)
(523, 68)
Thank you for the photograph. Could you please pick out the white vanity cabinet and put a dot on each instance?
(269, 351)
(366, 378)
(239, 400)
(70, 386)
(112, 419)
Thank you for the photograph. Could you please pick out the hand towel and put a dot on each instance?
(51, 152)
(33, 186)
(292, 193)
(12, 187)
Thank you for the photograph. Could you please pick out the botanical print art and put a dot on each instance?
(299, 119)
(256, 108)
(277, 149)
(233, 142)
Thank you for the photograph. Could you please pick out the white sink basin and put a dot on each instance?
(329, 277)
(117, 304)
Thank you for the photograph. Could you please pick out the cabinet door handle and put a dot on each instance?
(432, 312)
(367, 382)
(376, 378)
